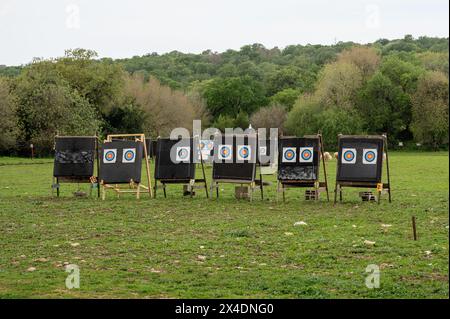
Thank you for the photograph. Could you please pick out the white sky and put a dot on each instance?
(124, 28)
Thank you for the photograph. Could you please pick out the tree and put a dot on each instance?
(164, 108)
(366, 59)
(338, 85)
(8, 124)
(309, 117)
(434, 61)
(241, 120)
(302, 119)
(127, 119)
(223, 122)
(48, 105)
(286, 97)
(385, 108)
(100, 82)
(268, 117)
(402, 73)
(430, 110)
(231, 95)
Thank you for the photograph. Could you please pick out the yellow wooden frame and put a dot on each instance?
(133, 187)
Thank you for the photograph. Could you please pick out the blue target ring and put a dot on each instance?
(370, 156)
(306, 155)
(183, 153)
(225, 151)
(289, 155)
(110, 156)
(244, 152)
(129, 155)
(349, 156)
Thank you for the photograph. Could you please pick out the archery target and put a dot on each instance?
(209, 145)
(289, 155)
(263, 150)
(244, 152)
(183, 153)
(370, 156)
(109, 156)
(348, 156)
(129, 155)
(225, 152)
(306, 154)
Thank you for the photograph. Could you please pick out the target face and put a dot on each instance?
(289, 154)
(348, 156)
(370, 156)
(209, 145)
(206, 145)
(306, 154)
(263, 150)
(129, 155)
(109, 156)
(183, 153)
(244, 152)
(225, 152)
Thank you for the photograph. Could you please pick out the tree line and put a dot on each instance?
(399, 87)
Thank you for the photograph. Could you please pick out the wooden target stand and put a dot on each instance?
(378, 186)
(92, 180)
(319, 186)
(133, 187)
(190, 184)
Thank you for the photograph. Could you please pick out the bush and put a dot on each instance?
(9, 121)
(269, 117)
(430, 110)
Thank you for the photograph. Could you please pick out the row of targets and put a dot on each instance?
(359, 160)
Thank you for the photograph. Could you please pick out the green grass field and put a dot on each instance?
(199, 248)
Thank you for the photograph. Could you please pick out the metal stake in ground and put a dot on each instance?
(414, 227)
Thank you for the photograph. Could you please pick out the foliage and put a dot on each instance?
(308, 116)
(430, 110)
(286, 97)
(339, 84)
(366, 59)
(48, 105)
(164, 108)
(273, 116)
(9, 121)
(233, 95)
(385, 108)
(376, 80)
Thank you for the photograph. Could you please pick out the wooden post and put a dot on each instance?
(387, 167)
(324, 167)
(203, 168)
(337, 169)
(147, 167)
(414, 227)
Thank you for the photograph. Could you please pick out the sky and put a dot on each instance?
(125, 28)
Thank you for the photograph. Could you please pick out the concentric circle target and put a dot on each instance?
(110, 156)
(306, 155)
(244, 152)
(129, 155)
(289, 154)
(349, 155)
(369, 156)
(225, 151)
(183, 153)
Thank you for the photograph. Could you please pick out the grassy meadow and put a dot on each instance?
(197, 248)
